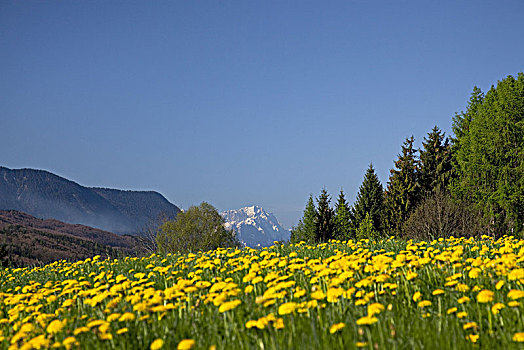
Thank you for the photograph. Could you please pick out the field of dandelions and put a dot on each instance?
(391, 294)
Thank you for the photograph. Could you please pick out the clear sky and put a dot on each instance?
(240, 102)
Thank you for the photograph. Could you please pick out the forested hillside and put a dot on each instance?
(26, 240)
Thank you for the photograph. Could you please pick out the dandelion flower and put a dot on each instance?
(55, 326)
(186, 344)
(375, 308)
(157, 344)
(336, 327)
(518, 337)
(515, 294)
(485, 296)
(472, 337)
(424, 303)
(287, 308)
(367, 320)
(229, 305)
(470, 325)
(495, 309)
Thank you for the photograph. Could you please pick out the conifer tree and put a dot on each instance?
(342, 229)
(324, 222)
(435, 163)
(403, 190)
(366, 229)
(305, 230)
(370, 201)
(489, 154)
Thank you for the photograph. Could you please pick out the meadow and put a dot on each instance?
(390, 294)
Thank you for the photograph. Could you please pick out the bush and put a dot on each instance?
(439, 216)
(199, 228)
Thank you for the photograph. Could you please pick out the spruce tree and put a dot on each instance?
(435, 163)
(403, 190)
(342, 229)
(366, 229)
(305, 230)
(370, 201)
(324, 222)
(489, 154)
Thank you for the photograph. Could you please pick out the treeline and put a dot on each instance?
(466, 185)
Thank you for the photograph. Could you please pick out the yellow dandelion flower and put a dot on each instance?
(452, 310)
(367, 320)
(122, 330)
(361, 344)
(472, 337)
(411, 275)
(438, 292)
(157, 344)
(462, 314)
(318, 295)
(278, 323)
(105, 336)
(336, 327)
(127, 316)
(80, 330)
(514, 304)
(515, 294)
(474, 272)
(495, 309)
(69, 341)
(518, 337)
(470, 325)
(251, 323)
(375, 308)
(287, 308)
(113, 317)
(417, 296)
(499, 285)
(55, 326)
(463, 300)
(485, 296)
(186, 344)
(229, 305)
(424, 303)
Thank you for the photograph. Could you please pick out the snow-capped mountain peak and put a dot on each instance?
(254, 226)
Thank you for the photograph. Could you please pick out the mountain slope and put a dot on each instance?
(26, 240)
(254, 226)
(46, 195)
(139, 206)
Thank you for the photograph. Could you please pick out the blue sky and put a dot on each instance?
(240, 102)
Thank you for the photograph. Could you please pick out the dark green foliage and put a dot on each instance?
(324, 223)
(342, 220)
(403, 190)
(435, 163)
(489, 154)
(462, 121)
(199, 228)
(305, 230)
(370, 202)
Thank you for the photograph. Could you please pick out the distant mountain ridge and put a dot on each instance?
(254, 226)
(46, 195)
